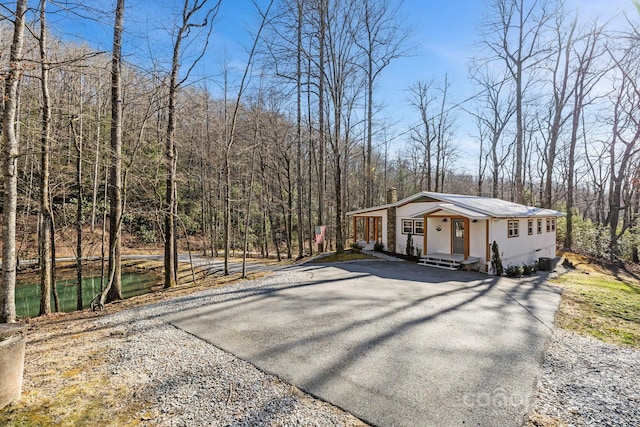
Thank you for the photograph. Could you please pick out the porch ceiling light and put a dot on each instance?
(444, 219)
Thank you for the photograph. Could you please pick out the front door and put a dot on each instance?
(457, 226)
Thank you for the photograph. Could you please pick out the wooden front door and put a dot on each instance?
(457, 236)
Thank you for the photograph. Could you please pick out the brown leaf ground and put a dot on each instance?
(65, 382)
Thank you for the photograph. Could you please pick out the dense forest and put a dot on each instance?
(99, 143)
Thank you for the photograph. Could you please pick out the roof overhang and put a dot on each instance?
(364, 212)
(452, 210)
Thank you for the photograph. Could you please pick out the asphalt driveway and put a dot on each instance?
(394, 343)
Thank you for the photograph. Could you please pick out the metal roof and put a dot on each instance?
(475, 206)
(453, 209)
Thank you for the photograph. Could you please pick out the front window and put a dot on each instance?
(513, 228)
(553, 224)
(407, 226)
(530, 227)
(418, 227)
(539, 226)
(548, 225)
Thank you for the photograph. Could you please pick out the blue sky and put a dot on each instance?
(446, 36)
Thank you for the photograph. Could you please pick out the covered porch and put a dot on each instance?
(454, 237)
(367, 230)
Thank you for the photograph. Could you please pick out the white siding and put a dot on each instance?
(439, 241)
(477, 239)
(406, 212)
(524, 249)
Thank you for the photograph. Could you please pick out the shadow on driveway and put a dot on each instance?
(392, 342)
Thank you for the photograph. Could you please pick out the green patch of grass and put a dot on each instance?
(600, 305)
(348, 255)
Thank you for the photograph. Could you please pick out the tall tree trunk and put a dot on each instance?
(519, 181)
(310, 156)
(227, 212)
(299, 25)
(249, 200)
(96, 168)
(230, 136)
(44, 238)
(289, 217)
(321, 134)
(559, 103)
(10, 168)
(114, 284)
(370, 78)
(170, 153)
(78, 138)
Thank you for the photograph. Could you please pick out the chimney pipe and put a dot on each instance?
(392, 195)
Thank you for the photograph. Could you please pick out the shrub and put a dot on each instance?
(147, 236)
(378, 247)
(528, 270)
(496, 261)
(355, 246)
(513, 271)
(409, 247)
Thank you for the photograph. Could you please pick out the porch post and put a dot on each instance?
(424, 234)
(366, 227)
(355, 230)
(466, 238)
(375, 229)
(488, 245)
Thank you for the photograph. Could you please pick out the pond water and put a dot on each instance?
(28, 295)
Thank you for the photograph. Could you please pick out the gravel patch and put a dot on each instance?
(585, 382)
(184, 381)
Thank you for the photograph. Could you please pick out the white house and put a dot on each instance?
(449, 230)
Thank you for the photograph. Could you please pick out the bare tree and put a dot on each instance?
(381, 39)
(10, 168)
(79, 144)
(342, 83)
(562, 92)
(585, 79)
(321, 9)
(45, 226)
(230, 135)
(494, 113)
(190, 12)
(299, 29)
(425, 134)
(432, 137)
(625, 138)
(514, 38)
(113, 290)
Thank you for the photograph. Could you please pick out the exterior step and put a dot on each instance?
(440, 263)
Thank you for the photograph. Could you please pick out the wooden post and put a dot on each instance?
(488, 245)
(355, 229)
(467, 232)
(366, 228)
(375, 229)
(424, 235)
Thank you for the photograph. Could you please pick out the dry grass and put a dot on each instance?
(600, 302)
(347, 255)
